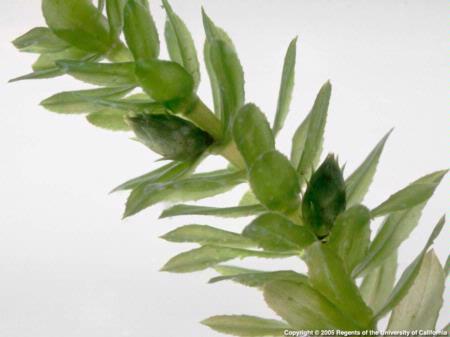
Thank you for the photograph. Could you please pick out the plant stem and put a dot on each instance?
(231, 153)
(201, 115)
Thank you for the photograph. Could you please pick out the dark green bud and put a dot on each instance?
(164, 81)
(325, 197)
(170, 136)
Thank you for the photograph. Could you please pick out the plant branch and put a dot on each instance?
(202, 116)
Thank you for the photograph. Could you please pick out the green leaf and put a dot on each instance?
(40, 40)
(101, 5)
(140, 30)
(327, 274)
(46, 64)
(447, 266)
(324, 198)
(49, 61)
(378, 284)
(109, 119)
(227, 72)
(170, 136)
(252, 133)
(299, 141)
(113, 118)
(180, 44)
(128, 105)
(286, 87)
(37, 75)
(115, 11)
(229, 270)
(350, 236)
(208, 256)
(225, 212)
(104, 74)
(193, 188)
(259, 279)
(274, 182)
(79, 23)
(359, 181)
(314, 137)
(304, 308)
(164, 81)
(207, 235)
(409, 275)
(248, 199)
(246, 326)
(273, 231)
(394, 230)
(414, 194)
(168, 172)
(75, 101)
(419, 309)
(214, 32)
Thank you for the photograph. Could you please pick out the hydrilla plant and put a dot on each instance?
(301, 207)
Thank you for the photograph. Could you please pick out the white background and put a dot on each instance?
(70, 267)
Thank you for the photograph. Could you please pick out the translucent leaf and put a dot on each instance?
(136, 106)
(316, 128)
(193, 188)
(258, 279)
(378, 284)
(357, 184)
(140, 30)
(447, 266)
(40, 40)
(215, 85)
(101, 5)
(79, 23)
(49, 61)
(208, 256)
(275, 232)
(252, 133)
(180, 44)
(414, 194)
(229, 270)
(246, 326)
(409, 275)
(299, 141)
(395, 229)
(227, 70)
(115, 12)
(286, 87)
(104, 74)
(248, 199)
(46, 67)
(109, 119)
(327, 275)
(350, 236)
(168, 172)
(38, 75)
(75, 101)
(224, 212)
(274, 182)
(419, 309)
(207, 235)
(304, 308)
(164, 81)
